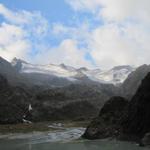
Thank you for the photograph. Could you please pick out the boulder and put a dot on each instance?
(146, 140)
(107, 124)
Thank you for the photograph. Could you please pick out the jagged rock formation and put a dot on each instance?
(107, 124)
(137, 120)
(124, 120)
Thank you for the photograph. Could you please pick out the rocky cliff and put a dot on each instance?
(107, 124)
(124, 120)
(137, 120)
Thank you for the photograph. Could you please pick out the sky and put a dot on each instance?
(79, 33)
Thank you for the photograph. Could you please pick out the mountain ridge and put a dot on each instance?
(114, 76)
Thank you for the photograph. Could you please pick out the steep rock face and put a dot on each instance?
(137, 120)
(131, 84)
(14, 103)
(9, 72)
(107, 124)
(122, 119)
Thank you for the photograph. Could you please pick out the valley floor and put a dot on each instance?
(56, 136)
(61, 139)
(41, 126)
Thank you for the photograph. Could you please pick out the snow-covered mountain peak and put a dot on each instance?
(114, 76)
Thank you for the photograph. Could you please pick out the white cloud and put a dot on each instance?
(124, 37)
(20, 32)
(84, 5)
(12, 16)
(112, 45)
(79, 33)
(33, 21)
(67, 52)
(114, 10)
(12, 42)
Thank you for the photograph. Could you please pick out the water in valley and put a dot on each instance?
(62, 139)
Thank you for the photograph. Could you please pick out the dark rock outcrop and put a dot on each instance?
(137, 120)
(124, 120)
(107, 124)
(145, 140)
(14, 103)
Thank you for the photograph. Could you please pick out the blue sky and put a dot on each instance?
(49, 8)
(54, 11)
(98, 33)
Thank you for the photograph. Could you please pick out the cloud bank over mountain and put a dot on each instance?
(114, 32)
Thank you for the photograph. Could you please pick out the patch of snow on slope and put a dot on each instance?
(114, 76)
(47, 69)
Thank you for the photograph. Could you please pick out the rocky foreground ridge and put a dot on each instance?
(122, 119)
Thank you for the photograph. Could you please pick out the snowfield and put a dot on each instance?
(114, 76)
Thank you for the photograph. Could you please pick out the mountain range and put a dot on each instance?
(114, 76)
(54, 90)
